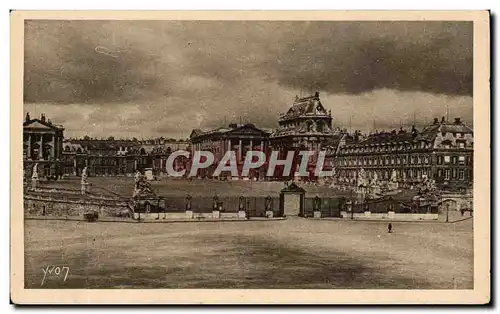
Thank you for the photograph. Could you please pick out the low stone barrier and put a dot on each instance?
(45, 204)
(388, 216)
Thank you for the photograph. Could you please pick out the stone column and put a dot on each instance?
(239, 150)
(28, 155)
(74, 166)
(228, 144)
(53, 150)
(40, 144)
(262, 145)
(251, 144)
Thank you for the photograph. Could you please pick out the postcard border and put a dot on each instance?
(479, 295)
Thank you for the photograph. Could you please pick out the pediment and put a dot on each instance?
(39, 125)
(248, 130)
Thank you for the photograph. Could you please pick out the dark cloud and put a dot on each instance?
(70, 62)
(171, 76)
(355, 57)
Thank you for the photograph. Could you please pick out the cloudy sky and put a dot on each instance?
(164, 78)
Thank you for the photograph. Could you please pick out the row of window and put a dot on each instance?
(384, 160)
(386, 174)
(454, 160)
(446, 174)
(386, 147)
(402, 160)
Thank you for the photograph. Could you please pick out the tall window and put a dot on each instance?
(454, 160)
(461, 174)
(447, 174)
(439, 160)
(440, 173)
(446, 159)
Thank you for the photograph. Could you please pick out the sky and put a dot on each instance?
(148, 79)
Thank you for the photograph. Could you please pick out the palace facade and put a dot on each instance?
(442, 151)
(110, 157)
(42, 144)
(239, 138)
(306, 126)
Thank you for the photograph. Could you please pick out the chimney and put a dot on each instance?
(28, 118)
(42, 118)
(316, 94)
(436, 121)
(233, 125)
(442, 120)
(457, 121)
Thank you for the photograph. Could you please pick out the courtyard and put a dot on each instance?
(293, 253)
(195, 187)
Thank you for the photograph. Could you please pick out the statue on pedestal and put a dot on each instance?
(84, 176)
(34, 176)
(142, 187)
(361, 181)
(393, 181)
(84, 182)
(374, 186)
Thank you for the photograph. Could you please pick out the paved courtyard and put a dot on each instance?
(293, 253)
(195, 187)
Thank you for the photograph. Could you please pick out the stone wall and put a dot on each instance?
(52, 205)
(388, 216)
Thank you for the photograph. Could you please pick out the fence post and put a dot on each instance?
(189, 210)
(317, 207)
(242, 207)
(269, 206)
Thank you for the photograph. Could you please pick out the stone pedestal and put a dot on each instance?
(34, 183)
(85, 187)
(242, 214)
(189, 214)
(317, 214)
(269, 213)
(216, 214)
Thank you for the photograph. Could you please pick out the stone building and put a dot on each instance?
(110, 157)
(239, 138)
(305, 126)
(42, 144)
(442, 151)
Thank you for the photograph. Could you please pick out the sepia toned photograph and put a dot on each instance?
(307, 156)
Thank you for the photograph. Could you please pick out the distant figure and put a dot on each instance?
(390, 228)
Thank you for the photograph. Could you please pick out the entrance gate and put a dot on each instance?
(292, 200)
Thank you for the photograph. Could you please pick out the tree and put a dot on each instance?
(111, 138)
(86, 138)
